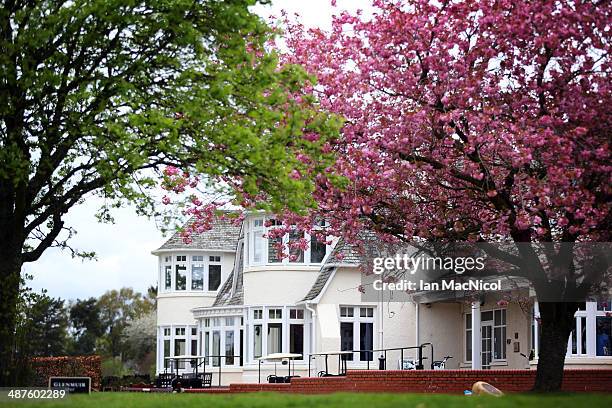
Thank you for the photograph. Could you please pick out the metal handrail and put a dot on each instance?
(342, 356)
(202, 363)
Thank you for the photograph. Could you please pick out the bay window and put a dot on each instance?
(195, 273)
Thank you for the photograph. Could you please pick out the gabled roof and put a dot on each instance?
(223, 236)
(319, 284)
(343, 254)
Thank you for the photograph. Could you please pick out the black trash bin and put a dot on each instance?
(381, 362)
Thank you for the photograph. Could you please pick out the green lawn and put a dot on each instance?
(341, 400)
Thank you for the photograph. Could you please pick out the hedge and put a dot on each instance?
(77, 366)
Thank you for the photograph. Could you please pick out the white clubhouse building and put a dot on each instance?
(228, 294)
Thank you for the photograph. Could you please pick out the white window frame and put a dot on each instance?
(285, 320)
(162, 335)
(220, 324)
(591, 313)
(356, 319)
(189, 263)
(263, 230)
(493, 327)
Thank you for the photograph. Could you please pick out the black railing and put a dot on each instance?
(195, 363)
(343, 357)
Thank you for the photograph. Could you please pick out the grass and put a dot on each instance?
(340, 400)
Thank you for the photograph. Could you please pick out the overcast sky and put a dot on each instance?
(124, 249)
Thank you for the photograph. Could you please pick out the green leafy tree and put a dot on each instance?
(43, 326)
(117, 309)
(86, 324)
(96, 95)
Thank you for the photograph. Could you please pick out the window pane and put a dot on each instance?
(583, 338)
(468, 345)
(180, 350)
(272, 251)
(346, 312)
(168, 277)
(574, 339)
(216, 348)
(497, 343)
(207, 346)
(346, 338)
(498, 318)
(197, 277)
(194, 347)
(296, 338)
(166, 352)
(296, 254)
(468, 321)
(257, 340)
(275, 338)
(275, 313)
(486, 316)
(604, 336)
(605, 306)
(317, 250)
(366, 333)
(258, 243)
(229, 347)
(214, 277)
(181, 277)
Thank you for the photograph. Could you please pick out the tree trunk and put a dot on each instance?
(557, 322)
(10, 275)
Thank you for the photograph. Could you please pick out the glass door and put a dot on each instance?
(487, 343)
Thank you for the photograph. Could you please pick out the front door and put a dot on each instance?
(487, 344)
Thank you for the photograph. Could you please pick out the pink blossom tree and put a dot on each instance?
(475, 121)
(466, 121)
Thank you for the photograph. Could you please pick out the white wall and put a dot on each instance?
(175, 308)
(277, 285)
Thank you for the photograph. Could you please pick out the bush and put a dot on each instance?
(74, 366)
